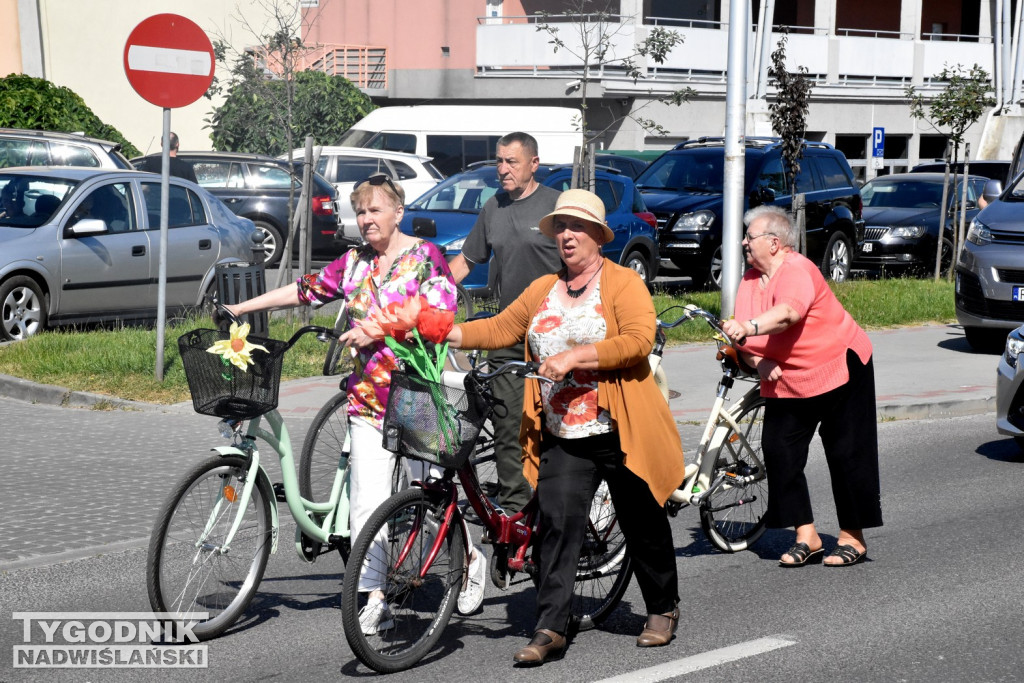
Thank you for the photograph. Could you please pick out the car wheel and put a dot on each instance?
(985, 340)
(838, 255)
(946, 260)
(273, 243)
(710, 277)
(636, 262)
(22, 308)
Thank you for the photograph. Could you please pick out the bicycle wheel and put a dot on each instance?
(391, 550)
(323, 449)
(323, 454)
(732, 516)
(604, 569)
(465, 303)
(188, 567)
(484, 463)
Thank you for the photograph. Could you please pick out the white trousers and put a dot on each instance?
(371, 475)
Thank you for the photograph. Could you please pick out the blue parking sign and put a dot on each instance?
(878, 143)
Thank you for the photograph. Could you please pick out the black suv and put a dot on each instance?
(256, 187)
(683, 189)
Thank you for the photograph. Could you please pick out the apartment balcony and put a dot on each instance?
(365, 65)
(876, 65)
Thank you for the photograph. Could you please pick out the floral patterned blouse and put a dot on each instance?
(570, 406)
(420, 269)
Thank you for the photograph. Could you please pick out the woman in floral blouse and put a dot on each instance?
(390, 267)
(606, 420)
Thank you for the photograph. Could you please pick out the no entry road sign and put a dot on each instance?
(169, 60)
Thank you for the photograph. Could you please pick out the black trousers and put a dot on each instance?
(847, 419)
(570, 472)
(514, 491)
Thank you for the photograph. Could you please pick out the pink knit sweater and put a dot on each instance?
(812, 352)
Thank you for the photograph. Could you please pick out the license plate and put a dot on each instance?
(868, 247)
(1018, 293)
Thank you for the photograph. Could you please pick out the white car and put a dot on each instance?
(344, 167)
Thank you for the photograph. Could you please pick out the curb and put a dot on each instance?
(49, 394)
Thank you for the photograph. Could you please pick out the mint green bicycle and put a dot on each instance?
(217, 528)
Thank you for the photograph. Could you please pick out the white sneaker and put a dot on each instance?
(375, 617)
(472, 597)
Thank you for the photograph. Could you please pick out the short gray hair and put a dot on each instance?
(778, 221)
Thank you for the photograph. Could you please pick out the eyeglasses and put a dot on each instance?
(750, 238)
(378, 179)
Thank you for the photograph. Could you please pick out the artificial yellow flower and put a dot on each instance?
(237, 349)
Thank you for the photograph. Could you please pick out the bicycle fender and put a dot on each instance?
(260, 474)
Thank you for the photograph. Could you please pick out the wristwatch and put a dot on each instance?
(754, 323)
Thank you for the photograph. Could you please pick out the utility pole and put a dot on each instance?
(735, 151)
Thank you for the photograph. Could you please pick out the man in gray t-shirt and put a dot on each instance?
(507, 226)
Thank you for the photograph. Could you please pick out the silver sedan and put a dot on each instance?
(83, 245)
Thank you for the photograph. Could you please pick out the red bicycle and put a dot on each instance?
(414, 548)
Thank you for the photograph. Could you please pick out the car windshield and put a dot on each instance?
(465, 192)
(1016, 192)
(693, 170)
(28, 201)
(901, 194)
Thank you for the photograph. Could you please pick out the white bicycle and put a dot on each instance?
(727, 481)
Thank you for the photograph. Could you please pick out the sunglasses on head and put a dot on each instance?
(378, 179)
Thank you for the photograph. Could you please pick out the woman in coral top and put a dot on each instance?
(816, 374)
(606, 420)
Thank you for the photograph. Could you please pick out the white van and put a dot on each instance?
(454, 136)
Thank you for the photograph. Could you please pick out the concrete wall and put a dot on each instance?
(83, 46)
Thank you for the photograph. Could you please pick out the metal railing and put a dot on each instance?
(365, 65)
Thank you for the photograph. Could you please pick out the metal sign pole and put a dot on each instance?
(161, 291)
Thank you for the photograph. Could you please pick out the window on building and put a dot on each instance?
(852, 146)
(932, 147)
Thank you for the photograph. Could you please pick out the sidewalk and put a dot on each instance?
(920, 372)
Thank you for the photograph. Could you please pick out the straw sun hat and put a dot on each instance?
(579, 204)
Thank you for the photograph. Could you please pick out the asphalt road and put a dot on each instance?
(939, 600)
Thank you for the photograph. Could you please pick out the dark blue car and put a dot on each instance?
(446, 214)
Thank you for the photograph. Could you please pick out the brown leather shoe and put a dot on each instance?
(545, 645)
(659, 629)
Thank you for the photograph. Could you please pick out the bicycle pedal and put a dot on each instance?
(279, 493)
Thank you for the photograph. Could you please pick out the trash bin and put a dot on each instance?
(237, 282)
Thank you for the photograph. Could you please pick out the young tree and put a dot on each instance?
(595, 29)
(789, 122)
(953, 111)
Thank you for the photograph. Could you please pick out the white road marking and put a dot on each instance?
(168, 60)
(704, 660)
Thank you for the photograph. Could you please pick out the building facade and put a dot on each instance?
(80, 44)
(860, 54)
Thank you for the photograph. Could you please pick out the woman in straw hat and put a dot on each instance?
(591, 326)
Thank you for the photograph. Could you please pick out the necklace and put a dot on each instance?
(577, 293)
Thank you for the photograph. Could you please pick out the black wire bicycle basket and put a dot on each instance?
(432, 422)
(219, 388)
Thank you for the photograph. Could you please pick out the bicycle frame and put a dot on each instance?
(335, 511)
(721, 421)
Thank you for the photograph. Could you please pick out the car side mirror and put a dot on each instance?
(763, 195)
(88, 226)
(993, 188)
(424, 227)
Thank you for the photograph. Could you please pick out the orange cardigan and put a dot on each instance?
(626, 388)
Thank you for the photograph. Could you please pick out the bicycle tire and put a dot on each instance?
(732, 517)
(420, 608)
(323, 453)
(465, 303)
(604, 569)
(184, 570)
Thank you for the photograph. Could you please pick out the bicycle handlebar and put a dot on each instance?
(691, 311)
(519, 368)
(323, 334)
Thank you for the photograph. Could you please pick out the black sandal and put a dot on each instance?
(802, 554)
(849, 556)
